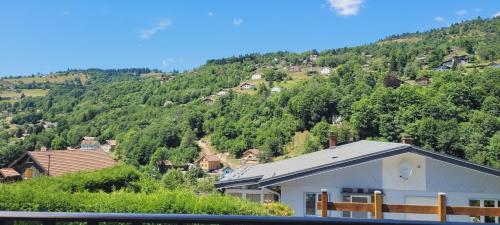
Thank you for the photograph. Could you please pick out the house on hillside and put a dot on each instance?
(405, 174)
(164, 166)
(325, 71)
(256, 76)
(109, 146)
(9, 175)
(60, 162)
(89, 143)
(247, 86)
(209, 162)
(276, 89)
(209, 100)
(313, 58)
(423, 81)
(48, 124)
(250, 157)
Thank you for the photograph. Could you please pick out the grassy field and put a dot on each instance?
(295, 147)
(26, 92)
(49, 78)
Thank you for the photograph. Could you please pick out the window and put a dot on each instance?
(358, 199)
(484, 203)
(28, 173)
(311, 200)
(253, 197)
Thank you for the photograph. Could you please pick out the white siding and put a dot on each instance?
(429, 177)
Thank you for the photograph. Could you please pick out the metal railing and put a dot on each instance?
(50, 218)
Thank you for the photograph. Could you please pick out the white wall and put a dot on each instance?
(429, 177)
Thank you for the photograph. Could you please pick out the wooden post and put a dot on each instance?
(377, 205)
(324, 203)
(441, 207)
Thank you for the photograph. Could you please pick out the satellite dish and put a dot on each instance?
(405, 170)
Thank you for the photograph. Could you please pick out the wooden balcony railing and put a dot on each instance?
(377, 208)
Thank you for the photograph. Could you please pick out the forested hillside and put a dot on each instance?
(372, 92)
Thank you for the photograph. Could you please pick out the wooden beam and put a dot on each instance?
(324, 203)
(349, 206)
(472, 211)
(423, 209)
(377, 205)
(441, 208)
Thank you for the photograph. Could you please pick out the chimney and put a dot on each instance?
(332, 140)
(406, 139)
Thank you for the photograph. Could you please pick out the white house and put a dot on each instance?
(246, 85)
(257, 76)
(276, 89)
(325, 71)
(405, 174)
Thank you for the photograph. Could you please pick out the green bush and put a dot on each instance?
(120, 189)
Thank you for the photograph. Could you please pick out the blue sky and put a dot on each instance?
(46, 36)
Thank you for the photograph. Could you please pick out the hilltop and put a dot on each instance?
(440, 87)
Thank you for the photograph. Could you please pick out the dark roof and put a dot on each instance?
(69, 161)
(9, 172)
(329, 159)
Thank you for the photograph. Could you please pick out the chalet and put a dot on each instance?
(109, 146)
(246, 85)
(251, 154)
(9, 174)
(276, 89)
(164, 166)
(89, 143)
(405, 174)
(325, 71)
(60, 162)
(209, 162)
(423, 81)
(256, 76)
(209, 100)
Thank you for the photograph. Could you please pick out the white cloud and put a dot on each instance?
(461, 12)
(346, 7)
(211, 13)
(497, 14)
(440, 19)
(162, 25)
(237, 22)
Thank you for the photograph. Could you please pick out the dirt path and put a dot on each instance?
(208, 150)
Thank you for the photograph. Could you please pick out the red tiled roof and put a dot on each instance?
(9, 172)
(212, 158)
(69, 161)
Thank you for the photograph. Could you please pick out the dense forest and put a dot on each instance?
(370, 93)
